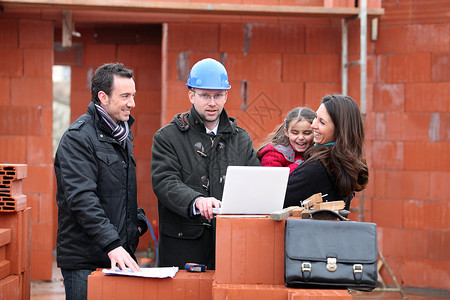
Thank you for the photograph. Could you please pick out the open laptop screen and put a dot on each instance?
(253, 190)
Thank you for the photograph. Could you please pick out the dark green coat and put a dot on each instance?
(186, 165)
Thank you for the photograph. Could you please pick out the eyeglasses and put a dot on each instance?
(207, 97)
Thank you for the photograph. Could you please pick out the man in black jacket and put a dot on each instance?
(99, 221)
(190, 157)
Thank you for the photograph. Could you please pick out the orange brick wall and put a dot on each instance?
(410, 141)
(274, 64)
(26, 57)
(286, 63)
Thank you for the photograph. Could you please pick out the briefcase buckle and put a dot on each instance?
(306, 267)
(357, 268)
(331, 264)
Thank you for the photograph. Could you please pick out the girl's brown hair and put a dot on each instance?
(278, 137)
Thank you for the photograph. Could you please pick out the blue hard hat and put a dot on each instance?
(208, 74)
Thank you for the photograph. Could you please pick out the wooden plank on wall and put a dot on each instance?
(195, 8)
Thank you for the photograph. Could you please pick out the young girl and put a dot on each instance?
(285, 147)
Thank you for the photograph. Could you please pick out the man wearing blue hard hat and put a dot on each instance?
(190, 157)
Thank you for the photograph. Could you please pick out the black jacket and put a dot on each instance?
(96, 195)
(186, 165)
(308, 179)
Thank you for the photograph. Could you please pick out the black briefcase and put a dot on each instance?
(330, 254)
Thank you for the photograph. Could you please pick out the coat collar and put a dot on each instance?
(192, 119)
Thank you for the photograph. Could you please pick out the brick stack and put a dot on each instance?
(250, 262)
(249, 265)
(184, 286)
(15, 234)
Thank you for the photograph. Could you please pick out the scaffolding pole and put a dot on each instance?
(362, 62)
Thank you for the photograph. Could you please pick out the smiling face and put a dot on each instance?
(121, 99)
(300, 135)
(208, 104)
(323, 127)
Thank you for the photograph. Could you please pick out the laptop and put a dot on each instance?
(253, 190)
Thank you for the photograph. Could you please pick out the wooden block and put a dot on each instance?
(312, 201)
(297, 212)
(283, 214)
(332, 205)
(305, 213)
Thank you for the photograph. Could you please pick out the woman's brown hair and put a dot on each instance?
(344, 159)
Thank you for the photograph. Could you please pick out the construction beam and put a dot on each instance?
(193, 8)
(67, 28)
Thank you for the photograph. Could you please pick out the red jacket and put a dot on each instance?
(280, 156)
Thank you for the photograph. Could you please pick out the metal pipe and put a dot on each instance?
(363, 80)
(363, 54)
(344, 56)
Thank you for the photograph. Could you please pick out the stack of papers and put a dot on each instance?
(163, 272)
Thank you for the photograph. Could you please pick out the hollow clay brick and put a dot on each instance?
(5, 237)
(185, 285)
(14, 250)
(311, 294)
(13, 66)
(42, 265)
(249, 251)
(9, 188)
(273, 292)
(14, 203)
(2, 252)
(10, 34)
(10, 287)
(13, 171)
(25, 283)
(339, 3)
(18, 249)
(5, 268)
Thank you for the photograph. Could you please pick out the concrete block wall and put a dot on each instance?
(26, 59)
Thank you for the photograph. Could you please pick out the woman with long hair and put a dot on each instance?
(335, 165)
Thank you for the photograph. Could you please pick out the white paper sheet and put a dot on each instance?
(162, 272)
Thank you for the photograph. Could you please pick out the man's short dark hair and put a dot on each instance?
(104, 77)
